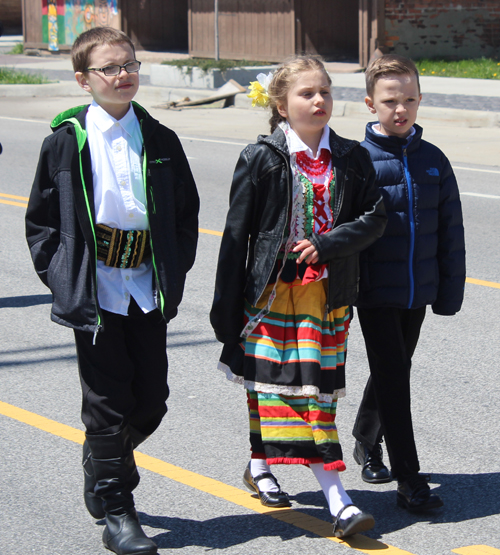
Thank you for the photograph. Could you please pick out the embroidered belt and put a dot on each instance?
(120, 248)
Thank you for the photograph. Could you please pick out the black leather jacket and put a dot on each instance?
(260, 205)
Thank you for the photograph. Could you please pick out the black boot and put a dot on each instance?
(414, 494)
(136, 436)
(92, 501)
(116, 477)
(123, 535)
(374, 470)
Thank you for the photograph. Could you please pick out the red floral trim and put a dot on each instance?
(337, 465)
(291, 460)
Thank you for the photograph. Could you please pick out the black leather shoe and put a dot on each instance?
(124, 536)
(374, 470)
(267, 498)
(343, 527)
(92, 501)
(415, 496)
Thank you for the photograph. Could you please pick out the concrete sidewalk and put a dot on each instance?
(453, 101)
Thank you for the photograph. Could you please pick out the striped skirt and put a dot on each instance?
(294, 430)
(292, 365)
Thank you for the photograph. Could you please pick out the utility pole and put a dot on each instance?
(216, 26)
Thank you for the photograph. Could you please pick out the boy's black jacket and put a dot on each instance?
(420, 260)
(260, 204)
(60, 218)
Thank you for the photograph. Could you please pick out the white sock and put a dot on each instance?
(257, 467)
(334, 491)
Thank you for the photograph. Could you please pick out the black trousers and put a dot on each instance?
(124, 375)
(391, 336)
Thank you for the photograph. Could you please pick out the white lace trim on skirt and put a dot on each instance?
(300, 390)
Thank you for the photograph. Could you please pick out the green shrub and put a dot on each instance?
(206, 64)
(18, 49)
(13, 77)
(481, 68)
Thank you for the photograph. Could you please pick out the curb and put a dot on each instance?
(150, 93)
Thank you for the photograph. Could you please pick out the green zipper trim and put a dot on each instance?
(144, 178)
(81, 137)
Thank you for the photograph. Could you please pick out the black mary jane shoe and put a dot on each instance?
(415, 496)
(267, 498)
(374, 470)
(343, 527)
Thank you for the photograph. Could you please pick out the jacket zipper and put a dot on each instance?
(412, 226)
(286, 219)
(89, 212)
(146, 172)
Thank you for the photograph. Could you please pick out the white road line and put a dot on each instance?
(212, 141)
(497, 197)
(26, 120)
(183, 138)
(475, 170)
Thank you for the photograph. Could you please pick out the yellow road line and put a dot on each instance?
(484, 283)
(14, 196)
(210, 232)
(13, 203)
(213, 487)
(477, 550)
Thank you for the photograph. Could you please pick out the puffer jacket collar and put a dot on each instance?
(393, 144)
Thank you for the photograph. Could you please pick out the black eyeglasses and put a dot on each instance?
(130, 67)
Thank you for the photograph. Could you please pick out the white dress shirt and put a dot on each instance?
(120, 202)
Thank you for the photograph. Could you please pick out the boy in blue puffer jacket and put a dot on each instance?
(419, 261)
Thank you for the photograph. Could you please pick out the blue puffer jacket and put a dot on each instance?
(420, 259)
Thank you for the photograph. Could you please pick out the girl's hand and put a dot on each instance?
(309, 252)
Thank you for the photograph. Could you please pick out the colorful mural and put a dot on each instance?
(104, 12)
(53, 23)
(64, 20)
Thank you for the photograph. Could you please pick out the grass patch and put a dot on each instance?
(17, 49)
(481, 68)
(13, 77)
(206, 64)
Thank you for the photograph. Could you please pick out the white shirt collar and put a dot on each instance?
(103, 121)
(296, 144)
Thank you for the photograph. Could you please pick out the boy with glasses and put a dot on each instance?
(112, 225)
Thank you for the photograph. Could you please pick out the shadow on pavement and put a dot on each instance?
(24, 301)
(217, 533)
(466, 497)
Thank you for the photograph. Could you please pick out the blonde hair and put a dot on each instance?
(97, 36)
(284, 77)
(389, 64)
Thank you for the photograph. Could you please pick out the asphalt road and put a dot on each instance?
(455, 388)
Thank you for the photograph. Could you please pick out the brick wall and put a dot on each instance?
(453, 29)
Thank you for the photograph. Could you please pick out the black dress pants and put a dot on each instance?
(391, 336)
(124, 375)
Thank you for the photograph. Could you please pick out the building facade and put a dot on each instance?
(271, 30)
